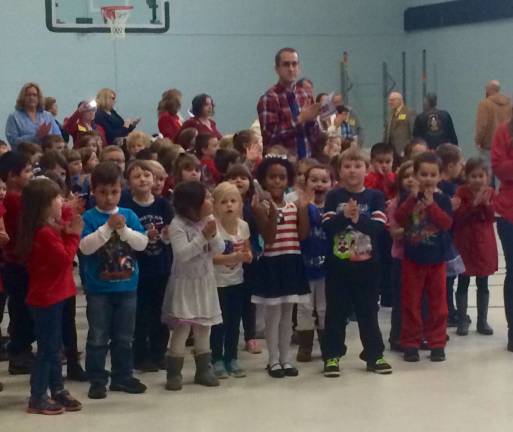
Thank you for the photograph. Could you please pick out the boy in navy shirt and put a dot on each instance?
(155, 214)
(426, 217)
(353, 220)
(110, 238)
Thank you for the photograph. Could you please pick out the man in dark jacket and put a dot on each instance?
(434, 126)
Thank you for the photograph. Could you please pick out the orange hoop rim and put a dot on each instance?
(108, 12)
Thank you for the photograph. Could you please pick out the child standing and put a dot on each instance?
(474, 237)
(282, 278)
(110, 239)
(191, 299)
(230, 279)
(206, 149)
(155, 214)
(315, 248)
(49, 247)
(426, 217)
(406, 185)
(353, 220)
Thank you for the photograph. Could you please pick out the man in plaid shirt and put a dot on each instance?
(287, 113)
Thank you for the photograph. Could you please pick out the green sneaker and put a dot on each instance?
(380, 367)
(220, 370)
(331, 368)
(234, 369)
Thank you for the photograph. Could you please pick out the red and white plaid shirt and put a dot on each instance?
(276, 120)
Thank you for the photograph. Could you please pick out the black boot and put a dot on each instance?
(463, 321)
(75, 372)
(482, 313)
(304, 351)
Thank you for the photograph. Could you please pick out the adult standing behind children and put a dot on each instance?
(203, 111)
(493, 110)
(107, 117)
(399, 126)
(287, 112)
(30, 122)
(433, 125)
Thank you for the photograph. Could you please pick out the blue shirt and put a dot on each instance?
(113, 267)
(315, 247)
(20, 127)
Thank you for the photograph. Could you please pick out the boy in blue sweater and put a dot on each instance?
(353, 220)
(155, 214)
(110, 238)
(426, 217)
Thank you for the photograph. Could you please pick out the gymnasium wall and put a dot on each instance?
(460, 61)
(225, 47)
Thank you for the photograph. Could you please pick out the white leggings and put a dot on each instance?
(180, 335)
(278, 331)
(317, 304)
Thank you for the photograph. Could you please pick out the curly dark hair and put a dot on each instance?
(188, 199)
(271, 160)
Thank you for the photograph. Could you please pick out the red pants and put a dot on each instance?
(416, 280)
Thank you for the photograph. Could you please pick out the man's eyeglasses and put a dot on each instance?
(289, 64)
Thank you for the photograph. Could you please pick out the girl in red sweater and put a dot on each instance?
(48, 245)
(474, 238)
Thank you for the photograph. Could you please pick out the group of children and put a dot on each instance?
(179, 243)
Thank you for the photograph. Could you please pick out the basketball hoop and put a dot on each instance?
(116, 17)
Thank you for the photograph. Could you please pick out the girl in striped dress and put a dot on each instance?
(282, 279)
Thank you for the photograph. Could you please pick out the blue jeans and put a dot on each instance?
(111, 318)
(505, 230)
(47, 371)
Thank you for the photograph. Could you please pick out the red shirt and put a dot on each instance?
(76, 128)
(169, 125)
(474, 236)
(50, 267)
(276, 119)
(502, 165)
(12, 204)
(211, 175)
(201, 127)
(385, 184)
(2, 213)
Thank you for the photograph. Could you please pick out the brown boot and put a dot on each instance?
(304, 351)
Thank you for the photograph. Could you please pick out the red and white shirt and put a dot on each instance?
(287, 238)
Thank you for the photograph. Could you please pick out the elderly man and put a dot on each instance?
(434, 126)
(399, 127)
(287, 112)
(491, 112)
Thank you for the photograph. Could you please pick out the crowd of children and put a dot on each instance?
(177, 244)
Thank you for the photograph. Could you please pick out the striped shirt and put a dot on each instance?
(287, 238)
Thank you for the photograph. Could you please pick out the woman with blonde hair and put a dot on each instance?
(170, 122)
(30, 122)
(111, 122)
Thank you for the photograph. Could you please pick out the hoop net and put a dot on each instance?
(116, 17)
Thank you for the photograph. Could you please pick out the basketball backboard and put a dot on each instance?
(84, 16)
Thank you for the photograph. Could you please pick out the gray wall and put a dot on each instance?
(225, 47)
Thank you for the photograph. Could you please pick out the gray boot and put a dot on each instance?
(174, 373)
(461, 305)
(204, 373)
(482, 313)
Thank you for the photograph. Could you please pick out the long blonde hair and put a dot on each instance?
(20, 101)
(102, 98)
(221, 191)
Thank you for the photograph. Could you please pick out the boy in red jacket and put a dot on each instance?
(16, 172)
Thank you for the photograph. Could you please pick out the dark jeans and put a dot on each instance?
(356, 285)
(505, 230)
(111, 318)
(151, 336)
(226, 335)
(47, 370)
(249, 308)
(395, 328)
(69, 330)
(21, 326)
(385, 269)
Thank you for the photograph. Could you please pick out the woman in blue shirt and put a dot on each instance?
(30, 122)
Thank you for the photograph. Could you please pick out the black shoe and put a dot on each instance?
(44, 406)
(275, 371)
(396, 347)
(363, 356)
(75, 372)
(131, 385)
(437, 355)
(97, 391)
(380, 367)
(147, 365)
(411, 355)
(21, 366)
(331, 368)
(289, 370)
(67, 401)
